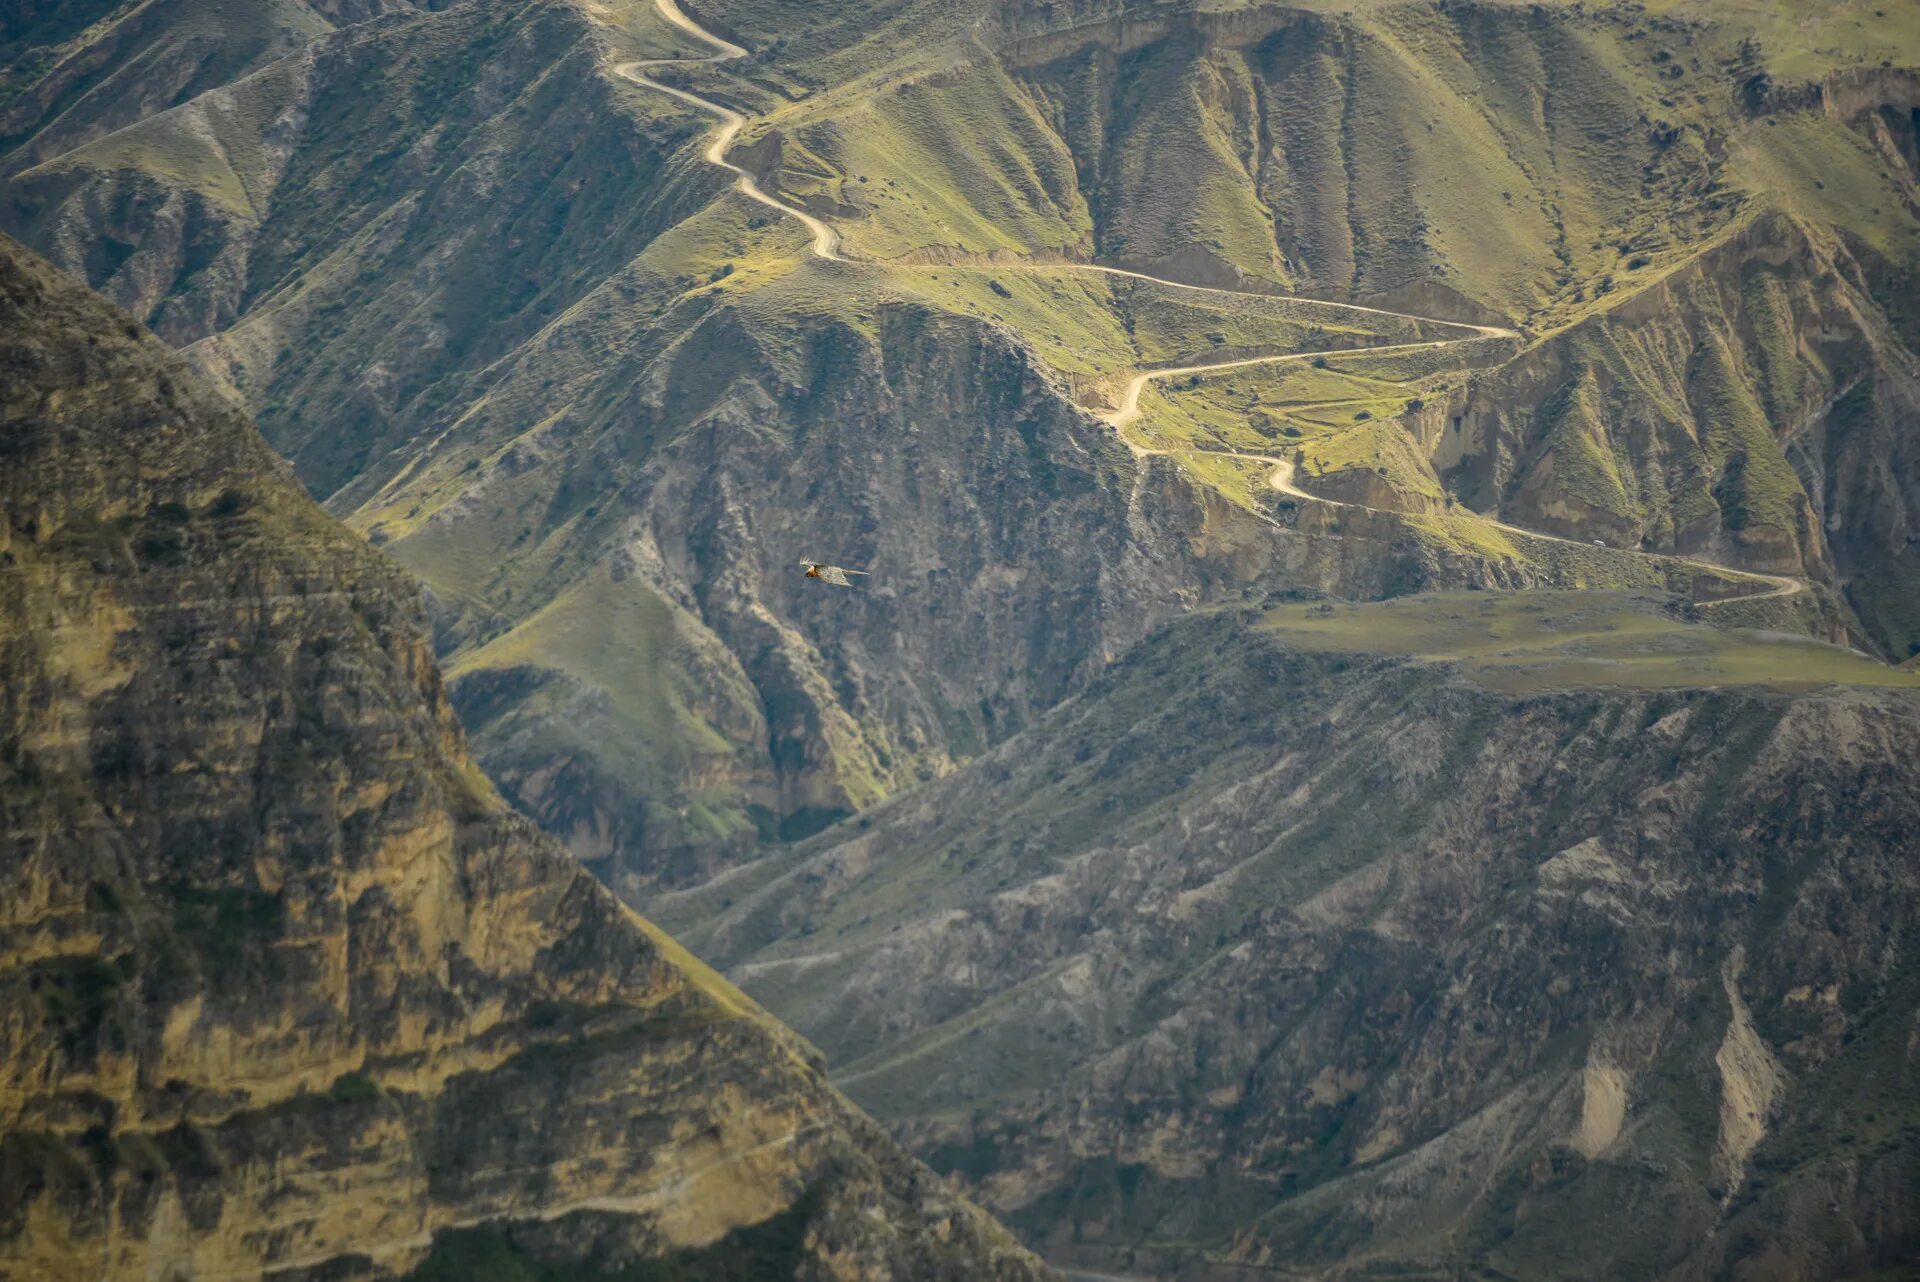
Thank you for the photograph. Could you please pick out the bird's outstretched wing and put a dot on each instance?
(834, 574)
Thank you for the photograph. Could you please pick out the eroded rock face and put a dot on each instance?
(1308, 961)
(284, 986)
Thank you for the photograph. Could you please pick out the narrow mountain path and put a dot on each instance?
(826, 245)
(826, 241)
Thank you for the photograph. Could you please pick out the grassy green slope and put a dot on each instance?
(957, 160)
(1553, 641)
(612, 672)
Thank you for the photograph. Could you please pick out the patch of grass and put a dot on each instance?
(614, 678)
(226, 924)
(1069, 319)
(1270, 406)
(1242, 481)
(960, 161)
(1817, 167)
(1573, 427)
(354, 1088)
(1383, 448)
(1523, 642)
(1468, 533)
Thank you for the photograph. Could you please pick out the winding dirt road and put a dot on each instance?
(826, 241)
(826, 245)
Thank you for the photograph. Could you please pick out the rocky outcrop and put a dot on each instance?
(284, 987)
(1255, 956)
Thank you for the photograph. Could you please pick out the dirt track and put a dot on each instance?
(826, 245)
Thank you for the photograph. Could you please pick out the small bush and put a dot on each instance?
(230, 503)
(162, 547)
(353, 1088)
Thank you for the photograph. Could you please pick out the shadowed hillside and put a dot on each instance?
(1416, 938)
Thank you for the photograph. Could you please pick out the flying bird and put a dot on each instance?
(829, 573)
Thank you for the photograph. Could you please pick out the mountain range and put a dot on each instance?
(1378, 732)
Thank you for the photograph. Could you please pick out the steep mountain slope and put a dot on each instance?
(284, 986)
(1582, 945)
(72, 70)
(1752, 406)
(600, 402)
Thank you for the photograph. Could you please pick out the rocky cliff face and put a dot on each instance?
(1268, 951)
(284, 987)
